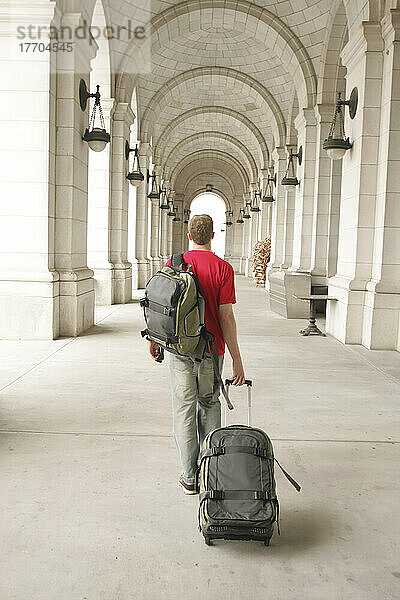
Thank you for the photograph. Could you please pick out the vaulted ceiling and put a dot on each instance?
(220, 75)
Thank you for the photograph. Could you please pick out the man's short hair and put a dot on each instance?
(201, 229)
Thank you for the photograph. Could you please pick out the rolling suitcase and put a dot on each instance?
(237, 484)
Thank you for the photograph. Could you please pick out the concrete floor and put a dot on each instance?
(90, 507)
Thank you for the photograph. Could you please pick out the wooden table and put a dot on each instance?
(312, 328)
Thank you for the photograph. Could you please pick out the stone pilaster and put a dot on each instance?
(363, 58)
(29, 287)
(381, 315)
(123, 119)
(177, 226)
(305, 124)
(237, 235)
(245, 240)
(155, 229)
(141, 263)
(283, 285)
(279, 158)
(99, 216)
(77, 296)
(164, 230)
(265, 208)
(326, 209)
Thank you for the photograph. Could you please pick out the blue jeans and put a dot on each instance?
(196, 408)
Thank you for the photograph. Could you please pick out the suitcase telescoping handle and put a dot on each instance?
(249, 384)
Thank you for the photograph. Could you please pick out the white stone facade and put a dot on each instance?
(214, 92)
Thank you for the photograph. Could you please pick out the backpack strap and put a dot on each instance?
(288, 477)
(177, 262)
(218, 375)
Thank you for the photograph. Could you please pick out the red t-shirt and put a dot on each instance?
(217, 284)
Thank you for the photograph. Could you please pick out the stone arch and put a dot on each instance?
(277, 119)
(222, 157)
(336, 38)
(249, 125)
(263, 25)
(217, 135)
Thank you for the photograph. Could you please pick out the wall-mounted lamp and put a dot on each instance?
(246, 213)
(255, 201)
(171, 211)
(290, 176)
(240, 219)
(268, 195)
(209, 187)
(135, 177)
(186, 214)
(96, 137)
(337, 144)
(164, 199)
(229, 215)
(155, 190)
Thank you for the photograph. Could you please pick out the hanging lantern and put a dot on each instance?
(337, 144)
(135, 177)
(290, 176)
(155, 190)
(255, 201)
(186, 214)
(229, 215)
(246, 214)
(268, 195)
(164, 199)
(240, 219)
(96, 137)
(172, 211)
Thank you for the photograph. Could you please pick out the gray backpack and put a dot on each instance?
(174, 313)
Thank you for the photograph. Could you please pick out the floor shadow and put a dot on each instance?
(300, 530)
(97, 329)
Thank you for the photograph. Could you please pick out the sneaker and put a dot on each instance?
(190, 489)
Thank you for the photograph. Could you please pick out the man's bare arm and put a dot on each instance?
(228, 325)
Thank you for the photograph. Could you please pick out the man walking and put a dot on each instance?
(195, 400)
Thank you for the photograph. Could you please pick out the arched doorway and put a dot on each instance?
(212, 204)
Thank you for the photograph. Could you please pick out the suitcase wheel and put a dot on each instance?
(207, 540)
(266, 542)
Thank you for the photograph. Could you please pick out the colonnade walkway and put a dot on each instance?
(90, 507)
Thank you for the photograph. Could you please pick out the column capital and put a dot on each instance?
(391, 26)
(145, 150)
(324, 113)
(82, 49)
(368, 39)
(123, 112)
(107, 105)
(305, 118)
(279, 153)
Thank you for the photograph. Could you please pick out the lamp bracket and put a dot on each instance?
(128, 150)
(352, 103)
(299, 154)
(84, 94)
